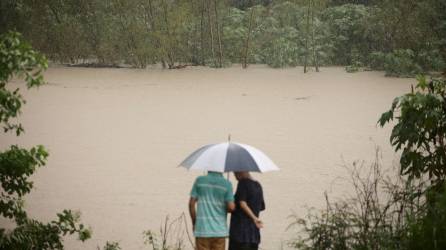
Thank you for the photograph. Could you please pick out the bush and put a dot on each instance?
(171, 235)
(352, 68)
(283, 51)
(428, 229)
(400, 63)
(420, 130)
(356, 63)
(17, 165)
(406, 212)
(373, 217)
(376, 60)
(430, 60)
(111, 246)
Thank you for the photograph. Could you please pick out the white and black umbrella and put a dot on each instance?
(229, 157)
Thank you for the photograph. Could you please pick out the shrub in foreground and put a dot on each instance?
(17, 165)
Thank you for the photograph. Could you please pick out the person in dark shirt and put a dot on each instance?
(244, 231)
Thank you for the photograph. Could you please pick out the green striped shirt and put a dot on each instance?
(212, 191)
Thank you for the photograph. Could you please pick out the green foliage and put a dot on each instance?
(430, 60)
(408, 36)
(17, 59)
(170, 236)
(279, 39)
(356, 64)
(283, 46)
(352, 68)
(283, 51)
(420, 130)
(438, 18)
(401, 63)
(377, 60)
(33, 234)
(234, 34)
(111, 246)
(406, 63)
(374, 216)
(428, 229)
(17, 165)
(244, 4)
(346, 25)
(384, 212)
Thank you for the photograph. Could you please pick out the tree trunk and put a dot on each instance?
(202, 33)
(59, 48)
(248, 37)
(211, 31)
(220, 56)
(312, 38)
(307, 37)
(193, 37)
(153, 29)
(129, 38)
(168, 50)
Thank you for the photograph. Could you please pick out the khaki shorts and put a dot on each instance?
(213, 243)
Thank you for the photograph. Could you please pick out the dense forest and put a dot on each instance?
(404, 37)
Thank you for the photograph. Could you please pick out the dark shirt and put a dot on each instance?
(243, 228)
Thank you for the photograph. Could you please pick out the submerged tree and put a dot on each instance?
(137, 33)
(248, 38)
(307, 34)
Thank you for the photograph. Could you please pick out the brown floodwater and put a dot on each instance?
(116, 136)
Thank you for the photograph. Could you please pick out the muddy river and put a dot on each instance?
(116, 136)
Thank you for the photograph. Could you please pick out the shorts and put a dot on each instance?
(212, 243)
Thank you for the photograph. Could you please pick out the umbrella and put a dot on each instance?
(229, 157)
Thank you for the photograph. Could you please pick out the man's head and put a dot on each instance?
(241, 175)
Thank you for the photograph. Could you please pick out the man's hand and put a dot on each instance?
(230, 207)
(248, 211)
(259, 223)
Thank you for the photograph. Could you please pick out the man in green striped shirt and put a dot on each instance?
(214, 198)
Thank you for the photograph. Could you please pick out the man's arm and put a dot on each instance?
(229, 199)
(251, 215)
(192, 210)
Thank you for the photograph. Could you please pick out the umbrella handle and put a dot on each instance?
(229, 141)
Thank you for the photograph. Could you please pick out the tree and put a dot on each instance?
(420, 130)
(307, 35)
(245, 4)
(248, 38)
(18, 59)
(278, 33)
(313, 40)
(346, 24)
(438, 21)
(211, 31)
(220, 50)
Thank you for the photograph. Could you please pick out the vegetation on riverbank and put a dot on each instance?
(406, 211)
(17, 165)
(402, 37)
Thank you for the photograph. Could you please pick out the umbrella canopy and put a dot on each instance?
(229, 157)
